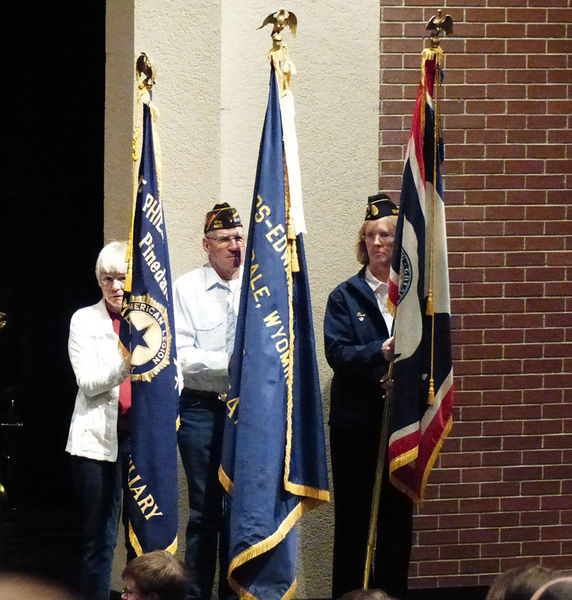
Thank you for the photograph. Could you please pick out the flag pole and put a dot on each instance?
(383, 441)
(145, 74)
(284, 68)
(437, 23)
(278, 54)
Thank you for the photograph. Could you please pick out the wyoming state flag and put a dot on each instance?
(419, 294)
(273, 460)
(148, 335)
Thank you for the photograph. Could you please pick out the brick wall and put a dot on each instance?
(501, 491)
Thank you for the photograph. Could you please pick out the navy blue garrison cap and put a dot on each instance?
(379, 206)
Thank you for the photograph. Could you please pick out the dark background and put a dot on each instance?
(52, 230)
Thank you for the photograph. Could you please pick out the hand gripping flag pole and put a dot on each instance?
(147, 337)
(273, 462)
(420, 377)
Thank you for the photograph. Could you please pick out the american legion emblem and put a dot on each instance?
(150, 337)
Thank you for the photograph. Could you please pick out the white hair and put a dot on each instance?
(111, 259)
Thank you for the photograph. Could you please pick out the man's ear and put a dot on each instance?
(205, 243)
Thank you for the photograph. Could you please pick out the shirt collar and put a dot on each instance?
(373, 282)
(212, 278)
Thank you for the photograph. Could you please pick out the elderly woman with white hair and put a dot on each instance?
(99, 432)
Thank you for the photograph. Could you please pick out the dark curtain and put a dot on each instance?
(52, 229)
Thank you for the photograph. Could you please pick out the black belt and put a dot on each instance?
(204, 395)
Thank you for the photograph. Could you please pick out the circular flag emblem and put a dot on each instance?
(405, 275)
(150, 337)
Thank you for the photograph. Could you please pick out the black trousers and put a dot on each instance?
(354, 461)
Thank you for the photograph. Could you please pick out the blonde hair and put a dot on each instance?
(361, 249)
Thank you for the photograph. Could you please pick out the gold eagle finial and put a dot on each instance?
(279, 52)
(144, 68)
(279, 20)
(438, 23)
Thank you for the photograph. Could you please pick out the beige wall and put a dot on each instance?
(119, 87)
(211, 90)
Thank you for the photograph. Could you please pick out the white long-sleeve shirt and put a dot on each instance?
(200, 307)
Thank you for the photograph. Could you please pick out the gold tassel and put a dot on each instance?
(429, 310)
(291, 231)
(294, 262)
(431, 394)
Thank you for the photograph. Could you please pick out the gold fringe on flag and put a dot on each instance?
(437, 23)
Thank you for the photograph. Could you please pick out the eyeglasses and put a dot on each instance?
(227, 240)
(110, 279)
(129, 593)
(384, 236)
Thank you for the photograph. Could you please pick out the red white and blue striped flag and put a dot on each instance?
(422, 371)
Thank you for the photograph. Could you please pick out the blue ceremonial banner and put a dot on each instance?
(422, 371)
(274, 460)
(148, 334)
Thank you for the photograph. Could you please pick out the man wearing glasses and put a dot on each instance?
(206, 308)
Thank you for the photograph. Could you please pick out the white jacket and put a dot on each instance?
(99, 370)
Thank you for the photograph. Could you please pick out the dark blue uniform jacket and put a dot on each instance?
(354, 331)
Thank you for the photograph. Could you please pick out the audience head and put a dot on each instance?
(366, 595)
(24, 587)
(560, 588)
(157, 575)
(519, 583)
